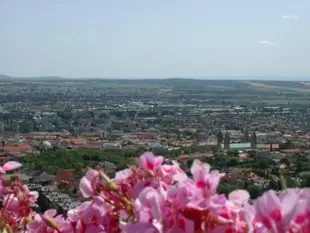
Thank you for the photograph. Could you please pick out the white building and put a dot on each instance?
(45, 145)
(112, 146)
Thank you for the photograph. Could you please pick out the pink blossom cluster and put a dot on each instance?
(157, 198)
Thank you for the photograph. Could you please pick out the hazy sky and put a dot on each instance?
(155, 38)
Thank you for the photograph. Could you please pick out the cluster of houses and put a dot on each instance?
(49, 198)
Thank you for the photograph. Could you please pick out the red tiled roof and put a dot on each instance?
(146, 135)
(17, 149)
(65, 175)
(74, 141)
(274, 146)
(19, 155)
(243, 155)
(292, 150)
(184, 157)
(65, 179)
(95, 142)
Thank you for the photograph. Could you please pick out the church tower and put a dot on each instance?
(253, 141)
(227, 141)
(246, 136)
(219, 139)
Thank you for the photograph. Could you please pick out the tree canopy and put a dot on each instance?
(53, 161)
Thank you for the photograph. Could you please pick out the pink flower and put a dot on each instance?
(9, 166)
(36, 225)
(11, 202)
(151, 208)
(91, 228)
(143, 184)
(32, 195)
(274, 213)
(2, 186)
(63, 225)
(158, 198)
(204, 179)
(90, 215)
(185, 195)
(239, 197)
(76, 214)
(172, 173)
(142, 227)
(301, 222)
(121, 176)
(89, 182)
(181, 225)
(150, 203)
(198, 169)
(149, 162)
(41, 223)
(225, 216)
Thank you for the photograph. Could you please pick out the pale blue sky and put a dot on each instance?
(155, 38)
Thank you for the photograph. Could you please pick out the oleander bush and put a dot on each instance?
(153, 197)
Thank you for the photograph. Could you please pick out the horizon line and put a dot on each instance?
(265, 78)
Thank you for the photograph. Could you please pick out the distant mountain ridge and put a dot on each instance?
(222, 84)
(243, 78)
(5, 77)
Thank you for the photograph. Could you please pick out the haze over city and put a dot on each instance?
(155, 39)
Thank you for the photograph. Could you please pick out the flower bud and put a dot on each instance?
(50, 223)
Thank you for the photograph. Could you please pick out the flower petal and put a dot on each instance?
(50, 213)
(12, 165)
(85, 187)
(239, 196)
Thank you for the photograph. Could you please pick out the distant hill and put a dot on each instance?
(259, 84)
(220, 78)
(4, 77)
(44, 78)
